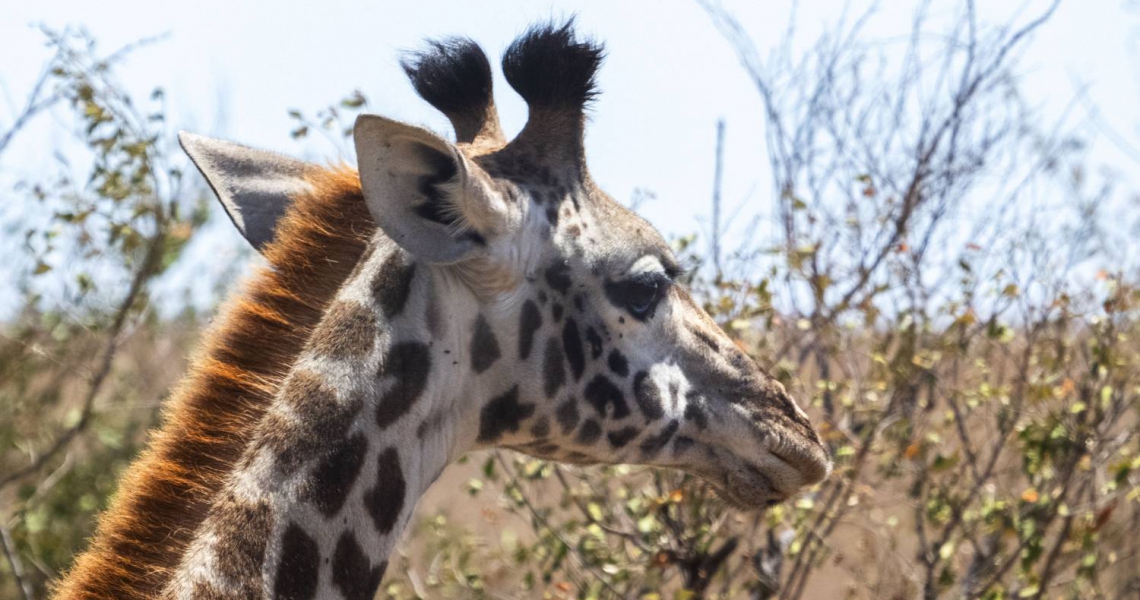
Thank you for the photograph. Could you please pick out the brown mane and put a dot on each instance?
(164, 495)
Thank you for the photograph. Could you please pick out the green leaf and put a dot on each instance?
(356, 100)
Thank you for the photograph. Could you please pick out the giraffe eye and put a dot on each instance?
(639, 295)
(642, 297)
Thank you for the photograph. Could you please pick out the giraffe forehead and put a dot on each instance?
(566, 220)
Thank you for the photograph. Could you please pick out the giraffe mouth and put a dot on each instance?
(751, 483)
(761, 464)
(742, 484)
(748, 489)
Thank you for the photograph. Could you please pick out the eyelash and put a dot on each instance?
(677, 273)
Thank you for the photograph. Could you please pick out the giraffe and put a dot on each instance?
(503, 300)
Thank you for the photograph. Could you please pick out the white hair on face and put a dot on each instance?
(649, 263)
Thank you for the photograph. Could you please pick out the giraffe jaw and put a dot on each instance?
(758, 481)
(749, 489)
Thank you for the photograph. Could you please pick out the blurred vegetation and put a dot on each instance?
(943, 285)
(85, 361)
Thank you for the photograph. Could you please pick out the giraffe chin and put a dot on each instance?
(748, 490)
(756, 483)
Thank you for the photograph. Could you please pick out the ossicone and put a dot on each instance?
(555, 72)
(551, 68)
(454, 75)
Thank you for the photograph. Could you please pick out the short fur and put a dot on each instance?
(552, 69)
(165, 494)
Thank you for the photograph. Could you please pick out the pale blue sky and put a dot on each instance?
(668, 78)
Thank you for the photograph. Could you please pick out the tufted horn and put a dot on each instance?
(454, 76)
(554, 72)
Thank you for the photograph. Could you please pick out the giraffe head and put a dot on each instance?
(608, 357)
(554, 321)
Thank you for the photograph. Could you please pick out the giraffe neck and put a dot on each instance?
(355, 437)
(166, 493)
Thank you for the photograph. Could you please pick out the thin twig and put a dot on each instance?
(13, 556)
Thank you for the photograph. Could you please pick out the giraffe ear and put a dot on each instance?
(254, 186)
(423, 192)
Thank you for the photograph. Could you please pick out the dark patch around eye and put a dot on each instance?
(638, 295)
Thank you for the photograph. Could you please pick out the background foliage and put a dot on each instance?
(944, 285)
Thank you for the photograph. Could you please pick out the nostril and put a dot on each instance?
(773, 502)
